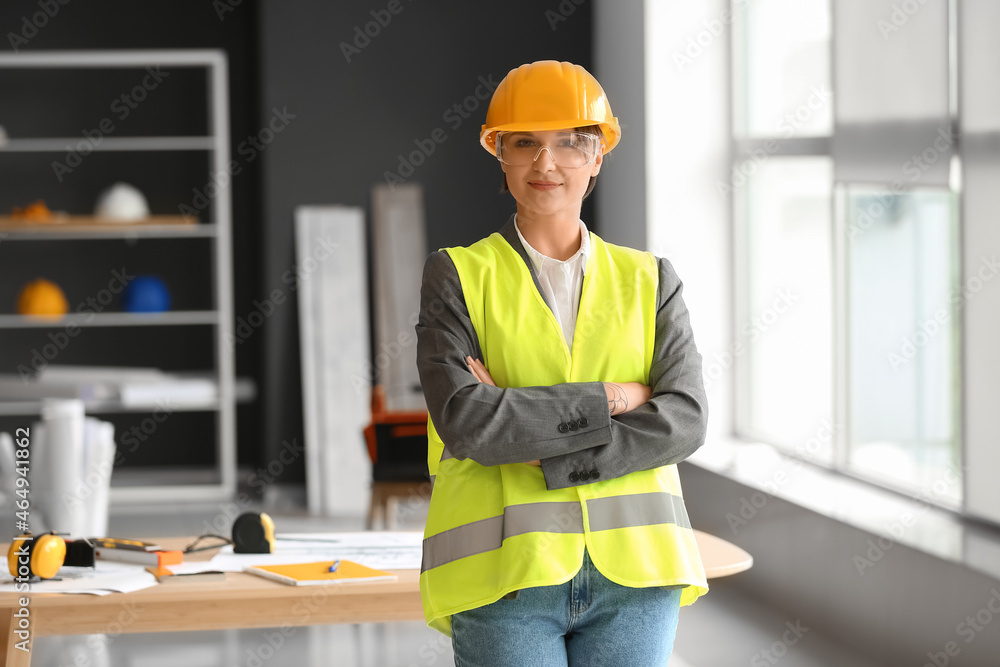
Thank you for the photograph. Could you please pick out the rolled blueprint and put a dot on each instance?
(7, 465)
(94, 489)
(57, 466)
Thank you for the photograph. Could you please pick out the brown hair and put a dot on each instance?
(590, 129)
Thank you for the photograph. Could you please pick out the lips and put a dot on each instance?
(543, 185)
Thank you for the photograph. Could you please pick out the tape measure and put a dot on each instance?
(253, 533)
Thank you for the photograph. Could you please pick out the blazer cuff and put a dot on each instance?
(590, 429)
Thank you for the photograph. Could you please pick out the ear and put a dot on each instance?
(596, 168)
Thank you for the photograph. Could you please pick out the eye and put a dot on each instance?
(525, 142)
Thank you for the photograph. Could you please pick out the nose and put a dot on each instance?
(547, 164)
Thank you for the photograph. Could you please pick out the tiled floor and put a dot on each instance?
(724, 629)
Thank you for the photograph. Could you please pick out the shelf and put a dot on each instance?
(18, 408)
(171, 318)
(244, 391)
(99, 232)
(124, 58)
(68, 144)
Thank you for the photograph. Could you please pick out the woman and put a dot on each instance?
(563, 384)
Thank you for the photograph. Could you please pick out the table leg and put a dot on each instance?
(374, 507)
(392, 513)
(12, 656)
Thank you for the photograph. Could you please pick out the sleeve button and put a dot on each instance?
(582, 421)
(574, 477)
(595, 473)
(563, 427)
(573, 425)
(584, 476)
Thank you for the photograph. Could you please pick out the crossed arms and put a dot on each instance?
(494, 426)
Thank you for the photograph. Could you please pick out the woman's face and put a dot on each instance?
(542, 187)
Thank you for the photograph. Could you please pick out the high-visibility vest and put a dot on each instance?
(496, 529)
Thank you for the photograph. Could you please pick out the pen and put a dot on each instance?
(336, 564)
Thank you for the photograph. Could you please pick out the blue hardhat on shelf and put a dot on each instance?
(146, 294)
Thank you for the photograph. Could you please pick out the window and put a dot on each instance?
(845, 203)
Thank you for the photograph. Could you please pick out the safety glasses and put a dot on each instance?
(568, 149)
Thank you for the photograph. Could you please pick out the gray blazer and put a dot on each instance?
(567, 426)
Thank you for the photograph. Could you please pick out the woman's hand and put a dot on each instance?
(626, 396)
(479, 371)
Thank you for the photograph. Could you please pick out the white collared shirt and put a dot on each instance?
(561, 281)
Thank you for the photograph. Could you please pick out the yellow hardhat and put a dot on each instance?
(42, 297)
(549, 95)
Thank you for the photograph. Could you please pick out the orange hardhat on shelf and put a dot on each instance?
(549, 95)
(42, 297)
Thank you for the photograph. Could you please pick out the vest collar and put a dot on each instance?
(510, 235)
(539, 260)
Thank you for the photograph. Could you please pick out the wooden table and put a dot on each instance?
(248, 601)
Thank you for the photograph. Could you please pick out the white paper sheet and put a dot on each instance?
(106, 577)
(382, 550)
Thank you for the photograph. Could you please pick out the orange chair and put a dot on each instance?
(397, 446)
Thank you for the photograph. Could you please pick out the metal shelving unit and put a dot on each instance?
(197, 486)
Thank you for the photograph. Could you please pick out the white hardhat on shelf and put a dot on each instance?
(122, 202)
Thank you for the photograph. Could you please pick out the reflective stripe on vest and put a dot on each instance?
(642, 509)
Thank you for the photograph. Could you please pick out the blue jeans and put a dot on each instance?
(589, 620)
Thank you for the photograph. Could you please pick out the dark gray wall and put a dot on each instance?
(353, 119)
(619, 55)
